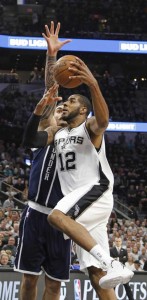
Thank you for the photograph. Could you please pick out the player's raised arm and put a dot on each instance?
(98, 124)
(53, 46)
(32, 137)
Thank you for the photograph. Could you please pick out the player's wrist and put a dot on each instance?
(38, 111)
(51, 56)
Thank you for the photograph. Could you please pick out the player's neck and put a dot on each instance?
(76, 122)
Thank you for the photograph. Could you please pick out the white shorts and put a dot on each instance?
(94, 217)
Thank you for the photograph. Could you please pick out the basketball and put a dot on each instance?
(61, 72)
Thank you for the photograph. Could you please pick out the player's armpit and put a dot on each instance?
(51, 131)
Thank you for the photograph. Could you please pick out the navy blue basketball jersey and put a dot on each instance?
(44, 186)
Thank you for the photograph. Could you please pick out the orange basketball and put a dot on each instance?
(61, 72)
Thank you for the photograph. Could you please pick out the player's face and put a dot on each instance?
(58, 112)
(71, 108)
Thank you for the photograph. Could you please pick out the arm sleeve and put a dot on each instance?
(33, 138)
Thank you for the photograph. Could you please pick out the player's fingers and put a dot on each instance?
(44, 36)
(65, 42)
(75, 77)
(54, 87)
(53, 90)
(75, 64)
(52, 27)
(80, 61)
(58, 98)
(75, 70)
(47, 31)
(57, 28)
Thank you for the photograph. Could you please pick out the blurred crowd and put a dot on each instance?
(133, 234)
(120, 94)
(96, 19)
(133, 237)
(128, 162)
(111, 19)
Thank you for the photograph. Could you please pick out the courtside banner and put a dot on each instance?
(82, 45)
(79, 287)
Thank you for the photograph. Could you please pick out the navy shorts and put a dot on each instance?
(41, 247)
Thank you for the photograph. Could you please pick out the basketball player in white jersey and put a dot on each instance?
(86, 181)
(94, 272)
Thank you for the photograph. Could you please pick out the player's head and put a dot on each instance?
(76, 105)
(58, 111)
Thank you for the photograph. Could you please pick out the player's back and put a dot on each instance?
(79, 162)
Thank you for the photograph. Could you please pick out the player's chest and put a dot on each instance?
(70, 141)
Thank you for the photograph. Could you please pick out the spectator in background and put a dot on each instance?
(143, 255)
(1, 215)
(145, 266)
(133, 213)
(1, 244)
(5, 231)
(19, 186)
(11, 258)
(10, 246)
(9, 202)
(129, 262)
(34, 75)
(7, 171)
(135, 251)
(75, 265)
(137, 266)
(120, 254)
(4, 260)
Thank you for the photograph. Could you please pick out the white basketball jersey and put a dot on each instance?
(78, 161)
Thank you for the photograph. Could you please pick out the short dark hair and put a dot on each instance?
(86, 102)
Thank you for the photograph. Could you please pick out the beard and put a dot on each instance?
(70, 116)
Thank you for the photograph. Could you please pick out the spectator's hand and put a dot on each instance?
(51, 37)
(48, 99)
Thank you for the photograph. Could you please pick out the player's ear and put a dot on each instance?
(83, 110)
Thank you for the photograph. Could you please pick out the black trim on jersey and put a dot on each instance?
(90, 197)
(88, 135)
(86, 131)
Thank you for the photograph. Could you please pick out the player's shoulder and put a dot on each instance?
(90, 120)
(61, 129)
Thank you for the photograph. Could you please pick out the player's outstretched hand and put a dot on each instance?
(48, 99)
(82, 72)
(51, 37)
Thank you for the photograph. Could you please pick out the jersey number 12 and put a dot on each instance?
(67, 161)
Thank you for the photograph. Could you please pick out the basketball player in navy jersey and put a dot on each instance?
(40, 246)
(87, 183)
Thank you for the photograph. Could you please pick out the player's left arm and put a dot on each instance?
(98, 124)
(32, 137)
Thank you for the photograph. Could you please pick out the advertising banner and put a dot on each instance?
(84, 45)
(79, 287)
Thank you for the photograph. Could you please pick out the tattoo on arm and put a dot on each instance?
(49, 71)
(49, 81)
